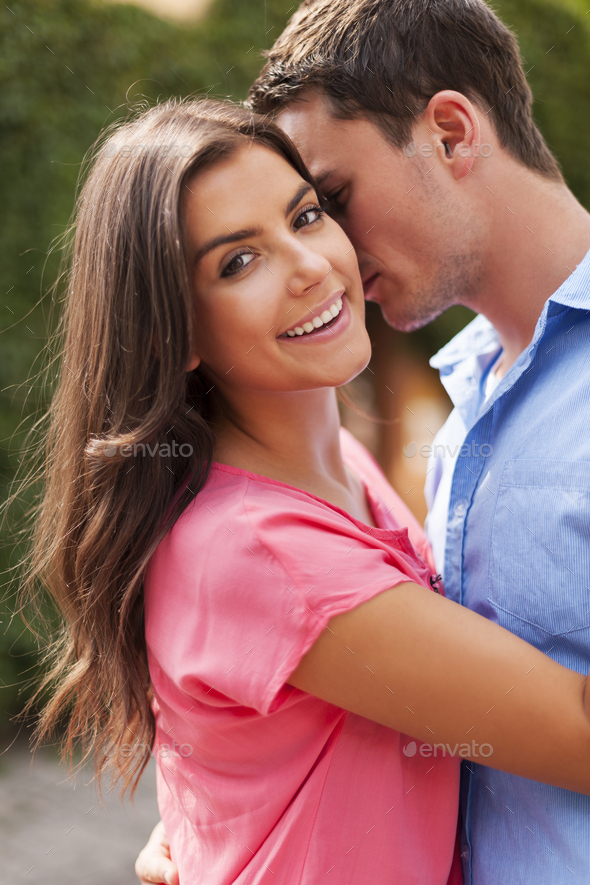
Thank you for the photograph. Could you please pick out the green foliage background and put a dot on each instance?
(68, 67)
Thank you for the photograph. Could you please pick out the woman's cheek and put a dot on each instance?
(242, 326)
(343, 257)
(215, 339)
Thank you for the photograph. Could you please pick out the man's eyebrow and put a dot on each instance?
(224, 239)
(323, 176)
(232, 237)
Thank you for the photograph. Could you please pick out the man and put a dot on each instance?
(415, 116)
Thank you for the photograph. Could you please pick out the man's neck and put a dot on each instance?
(539, 234)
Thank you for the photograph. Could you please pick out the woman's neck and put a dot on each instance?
(293, 435)
(292, 438)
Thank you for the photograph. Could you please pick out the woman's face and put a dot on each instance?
(278, 298)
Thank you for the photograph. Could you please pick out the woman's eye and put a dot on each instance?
(237, 263)
(308, 216)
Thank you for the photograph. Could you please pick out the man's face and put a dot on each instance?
(415, 235)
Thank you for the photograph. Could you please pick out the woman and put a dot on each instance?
(198, 474)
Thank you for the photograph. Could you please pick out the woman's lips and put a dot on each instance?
(336, 327)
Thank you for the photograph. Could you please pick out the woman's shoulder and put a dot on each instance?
(231, 490)
(237, 504)
(234, 496)
(238, 514)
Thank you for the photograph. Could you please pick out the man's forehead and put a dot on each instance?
(315, 132)
(331, 146)
(306, 107)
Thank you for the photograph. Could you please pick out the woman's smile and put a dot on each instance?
(328, 320)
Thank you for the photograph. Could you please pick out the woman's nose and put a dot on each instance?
(309, 268)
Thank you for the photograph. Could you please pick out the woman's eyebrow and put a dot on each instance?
(232, 237)
(224, 239)
(301, 192)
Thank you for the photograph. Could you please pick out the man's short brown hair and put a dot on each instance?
(385, 59)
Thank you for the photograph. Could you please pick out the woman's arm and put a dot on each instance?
(423, 665)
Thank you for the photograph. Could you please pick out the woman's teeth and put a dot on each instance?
(325, 317)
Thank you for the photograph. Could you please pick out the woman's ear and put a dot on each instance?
(194, 361)
(454, 122)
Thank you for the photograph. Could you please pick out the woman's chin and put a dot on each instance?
(346, 370)
(362, 351)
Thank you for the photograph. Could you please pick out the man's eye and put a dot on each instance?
(237, 263)
(333, 198)
(308, 216)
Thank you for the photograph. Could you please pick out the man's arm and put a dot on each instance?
(153, 864)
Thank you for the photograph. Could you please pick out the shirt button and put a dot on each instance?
(460, 508)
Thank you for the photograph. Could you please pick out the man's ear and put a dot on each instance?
(453, 121)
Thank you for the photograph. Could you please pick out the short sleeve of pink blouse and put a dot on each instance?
(258, 569)
(270, 777)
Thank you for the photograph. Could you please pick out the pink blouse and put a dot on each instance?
(259, 782)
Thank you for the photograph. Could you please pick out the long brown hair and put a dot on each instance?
(125, 342)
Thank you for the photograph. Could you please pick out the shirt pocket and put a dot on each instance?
(540, 551)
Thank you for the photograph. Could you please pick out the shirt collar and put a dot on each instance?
(575, 292)
(463, 362)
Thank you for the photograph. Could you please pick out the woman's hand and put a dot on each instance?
(153, 864)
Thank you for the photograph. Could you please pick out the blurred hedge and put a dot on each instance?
(68, 67)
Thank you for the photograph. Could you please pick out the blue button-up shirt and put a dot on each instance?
(516, 498)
